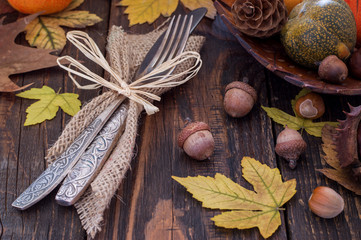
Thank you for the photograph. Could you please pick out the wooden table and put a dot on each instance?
(149, 204)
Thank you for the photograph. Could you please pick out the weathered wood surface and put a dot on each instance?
(149, 204)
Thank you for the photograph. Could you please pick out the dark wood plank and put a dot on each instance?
(23, 148)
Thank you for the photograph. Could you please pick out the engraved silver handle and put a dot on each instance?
(56, 171)
(92, 160)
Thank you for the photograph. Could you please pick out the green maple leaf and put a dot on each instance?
(49, 104)
(296, 122)
(258, 208)
(283, 118)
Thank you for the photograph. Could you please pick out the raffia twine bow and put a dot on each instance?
(136, 89)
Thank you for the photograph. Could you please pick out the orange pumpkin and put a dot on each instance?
(34, 6)
(355, 6)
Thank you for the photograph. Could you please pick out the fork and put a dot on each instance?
(172, 44)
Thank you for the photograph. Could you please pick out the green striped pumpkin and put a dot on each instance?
(317, 29)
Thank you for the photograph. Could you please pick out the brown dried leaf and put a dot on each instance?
(346, 137)
(17, 58)
(344, 176)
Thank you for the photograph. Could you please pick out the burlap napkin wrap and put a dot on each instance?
(125, 53)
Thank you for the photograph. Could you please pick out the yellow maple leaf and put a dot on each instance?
(258, 208)
(194, 4)
(45, 31)
(142, 11)
(49, 104)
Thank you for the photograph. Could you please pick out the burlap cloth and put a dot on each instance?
(125, 53)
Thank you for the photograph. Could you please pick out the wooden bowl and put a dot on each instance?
(271, 54)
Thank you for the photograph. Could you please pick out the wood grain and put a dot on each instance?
(149, 204)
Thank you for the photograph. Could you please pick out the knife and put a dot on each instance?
(57, 171)
(82, 174)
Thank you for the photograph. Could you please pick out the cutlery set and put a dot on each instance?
(83, 159)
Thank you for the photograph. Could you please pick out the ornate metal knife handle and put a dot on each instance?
(56, 171)
(92, 160)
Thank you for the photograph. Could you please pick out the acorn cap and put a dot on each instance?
(291, 150)
(189, 130)
(243, 86)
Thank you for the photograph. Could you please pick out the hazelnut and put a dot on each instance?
(197, 140)
(355, 64)
(325, 202)
(310, 106)
(290, 145)
(239, 99)
(333, 70)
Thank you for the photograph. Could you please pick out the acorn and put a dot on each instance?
(355, 64)
(196, 140)
(290, 145)
(310, 106)
(326, 202)
(239, 99)
(333, 70)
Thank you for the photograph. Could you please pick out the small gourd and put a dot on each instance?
(317, 29)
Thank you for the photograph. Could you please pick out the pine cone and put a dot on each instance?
(259, 18)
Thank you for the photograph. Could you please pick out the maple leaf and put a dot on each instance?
(17, 58)
(45, 31)
(296, 122)
(142, 11)
(194, 4)
(258, 208)
(49, 104)
(343, 176)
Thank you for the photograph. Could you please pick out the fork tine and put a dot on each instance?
(182, 39)
(173, 43)
(175, 35)
(162, 45)
(177, 46)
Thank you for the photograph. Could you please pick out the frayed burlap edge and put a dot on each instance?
(125, 53)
